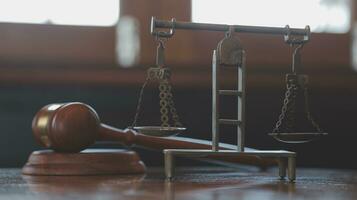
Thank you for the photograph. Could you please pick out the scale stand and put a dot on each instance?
(229, 54)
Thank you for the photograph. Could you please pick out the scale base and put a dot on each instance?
(286, 159)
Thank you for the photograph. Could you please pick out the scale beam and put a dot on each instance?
(156, 23)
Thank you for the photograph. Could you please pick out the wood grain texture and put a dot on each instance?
(87, 162)
(191, 183)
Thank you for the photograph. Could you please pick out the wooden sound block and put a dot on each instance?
(87, 162)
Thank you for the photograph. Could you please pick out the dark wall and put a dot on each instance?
(335, 111)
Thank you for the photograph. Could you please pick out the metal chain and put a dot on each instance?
(288, 109)
(295, 83)
(138, 107)
(162, 75)
(289, 97)
(164, 103)
(167, 104)
(173, 111)
(308, 114)
(291, 108)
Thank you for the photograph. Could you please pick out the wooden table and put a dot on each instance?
(190, 183)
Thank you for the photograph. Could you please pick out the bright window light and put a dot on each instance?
(65, 12)
(331, 16)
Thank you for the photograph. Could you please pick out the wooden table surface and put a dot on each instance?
(190, 183)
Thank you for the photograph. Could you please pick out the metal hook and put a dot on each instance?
(163, 34)
(293, 41)
(308, 33)
(296, 65)
(230, 31)
(160, 53)
(300, 41)
(287, 33)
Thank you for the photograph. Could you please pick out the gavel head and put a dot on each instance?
(69, 127)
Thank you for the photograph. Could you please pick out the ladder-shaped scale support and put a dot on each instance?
(230, 54)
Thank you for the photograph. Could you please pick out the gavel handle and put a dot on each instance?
(129, 137)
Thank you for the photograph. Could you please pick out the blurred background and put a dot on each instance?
(97, 52)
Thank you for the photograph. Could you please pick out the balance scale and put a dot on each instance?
(230, 54)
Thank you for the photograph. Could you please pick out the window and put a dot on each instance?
(331, 16)
(64, 12)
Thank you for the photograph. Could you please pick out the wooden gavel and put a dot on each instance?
(72, 127)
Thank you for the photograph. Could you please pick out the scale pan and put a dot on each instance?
(159, 131)
(295, 138)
